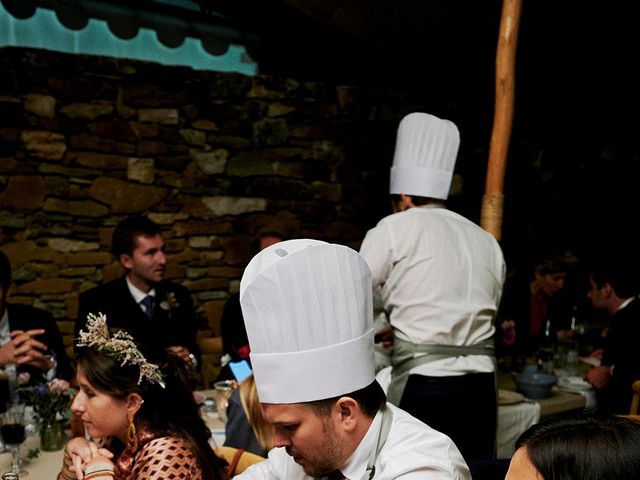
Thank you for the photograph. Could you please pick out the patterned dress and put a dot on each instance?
(157, 458)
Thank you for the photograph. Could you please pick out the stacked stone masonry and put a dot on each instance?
(211, 157)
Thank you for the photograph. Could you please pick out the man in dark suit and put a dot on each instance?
(158, 313)
(29, 341)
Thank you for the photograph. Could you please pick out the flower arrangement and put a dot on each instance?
(48, 399)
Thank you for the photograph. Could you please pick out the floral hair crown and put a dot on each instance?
(119, 346)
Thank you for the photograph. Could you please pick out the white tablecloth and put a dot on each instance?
(515, 419)
(512, 421)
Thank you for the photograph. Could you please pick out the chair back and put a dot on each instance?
(238, 459)
(635, 399)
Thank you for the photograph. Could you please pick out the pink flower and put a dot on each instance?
(23, 378)
(58, 385)
(49, 398)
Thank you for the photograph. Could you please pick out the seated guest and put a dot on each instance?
(158, 313)
(29, 340)
(235, 345)
(308, 309)
(143, 413)
(585, 447)
(535, 311)
(614, 290)
(246, 428)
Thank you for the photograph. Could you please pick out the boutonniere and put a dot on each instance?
(170, 302)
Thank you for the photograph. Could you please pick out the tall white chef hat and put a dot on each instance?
(308, 309)
(425, 156)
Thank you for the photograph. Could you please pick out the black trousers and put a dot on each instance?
(462, 407)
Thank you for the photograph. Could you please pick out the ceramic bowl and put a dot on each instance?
(535, 385)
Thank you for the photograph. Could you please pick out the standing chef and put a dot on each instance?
(439, 277)
(308, 311)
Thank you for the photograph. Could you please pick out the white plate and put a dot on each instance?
(574, 384)
(509, 397)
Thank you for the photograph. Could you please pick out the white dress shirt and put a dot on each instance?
(440, 279)
(138, 295)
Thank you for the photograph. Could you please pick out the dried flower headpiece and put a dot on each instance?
(120, 346)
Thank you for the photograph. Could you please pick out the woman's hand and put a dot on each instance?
(84, 453)
(101, 462)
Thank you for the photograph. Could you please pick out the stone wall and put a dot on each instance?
(211, 157)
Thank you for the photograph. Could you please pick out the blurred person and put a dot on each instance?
(535, 311)
(309, 313)
(235, 344)
(439, 278)
(583, 447)
(246, 428)
(158, 313)
(30, 341)
(141, 411)
(614, 288)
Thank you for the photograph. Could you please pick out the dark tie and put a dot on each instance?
(335, 475)
(148, 302)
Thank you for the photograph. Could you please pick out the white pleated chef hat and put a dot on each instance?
(425, 156)
(308, 310)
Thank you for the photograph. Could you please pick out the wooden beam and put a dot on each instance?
(493, 199)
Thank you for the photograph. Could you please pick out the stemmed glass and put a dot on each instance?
(13, 434)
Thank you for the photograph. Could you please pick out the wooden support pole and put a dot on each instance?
(493, 199)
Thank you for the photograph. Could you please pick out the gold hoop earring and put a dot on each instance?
(132, 438)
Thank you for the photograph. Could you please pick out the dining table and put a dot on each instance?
(516, 413)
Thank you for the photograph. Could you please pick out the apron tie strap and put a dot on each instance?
(403, 360)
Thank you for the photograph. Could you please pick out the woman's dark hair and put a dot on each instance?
(370, 398)
(171, 409)
(586, 446)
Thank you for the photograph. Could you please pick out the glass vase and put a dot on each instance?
(51, 436)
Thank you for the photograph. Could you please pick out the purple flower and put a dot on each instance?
(48, 399)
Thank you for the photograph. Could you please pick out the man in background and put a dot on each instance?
(158, 313)
(614, 289)
(29, 341)
(439, 277)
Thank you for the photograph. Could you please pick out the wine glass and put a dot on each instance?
(12, 429)
(223, 391)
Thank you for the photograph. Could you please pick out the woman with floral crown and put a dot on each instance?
(141, 416)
